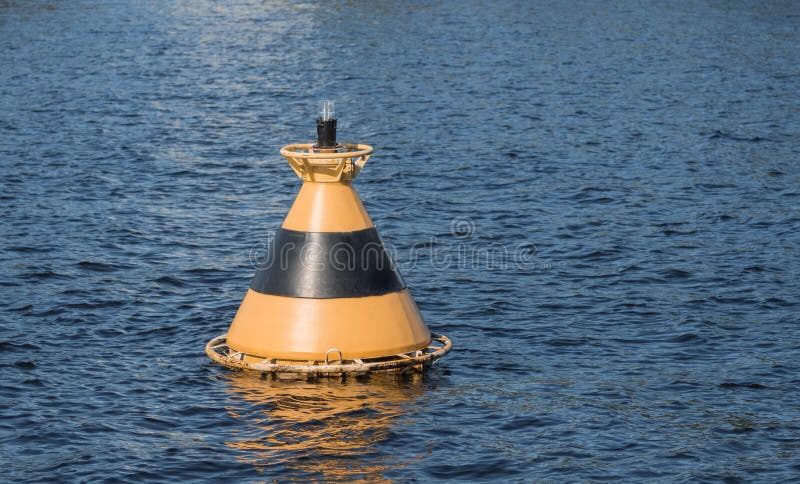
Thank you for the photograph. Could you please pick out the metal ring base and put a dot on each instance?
(416, 361)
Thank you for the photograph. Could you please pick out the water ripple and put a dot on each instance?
(643, 159)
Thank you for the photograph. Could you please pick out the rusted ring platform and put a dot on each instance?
(333, 366)
(341, 163)
(309, 151)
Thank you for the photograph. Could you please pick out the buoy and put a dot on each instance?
(328, 300)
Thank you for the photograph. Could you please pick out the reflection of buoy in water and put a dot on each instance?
(329, 300)
(324, 431)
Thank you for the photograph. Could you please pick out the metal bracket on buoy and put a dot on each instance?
(332, 350)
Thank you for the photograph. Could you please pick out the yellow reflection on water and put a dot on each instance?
(329, 430)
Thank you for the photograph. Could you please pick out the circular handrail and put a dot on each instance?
(218, 350)
(355, 150)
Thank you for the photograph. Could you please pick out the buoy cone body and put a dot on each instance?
(328, 287)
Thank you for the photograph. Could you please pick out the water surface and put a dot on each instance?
(645, 156)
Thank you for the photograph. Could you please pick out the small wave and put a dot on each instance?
(670, 232)
(101, 266)
(114, 303)
(686, 338)
(567, 341)
(160, 330)
(21, 308)
(24, 249)
(717, 134)
(494, 468)
(171, 281)
(527, 421)
(43, 275)
(744, 385)
(10, 346)
(676, 274)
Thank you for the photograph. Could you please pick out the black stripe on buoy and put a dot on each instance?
(325, 265)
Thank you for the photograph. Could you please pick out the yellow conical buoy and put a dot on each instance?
(329, 299)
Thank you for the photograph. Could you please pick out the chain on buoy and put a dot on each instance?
(328, 300)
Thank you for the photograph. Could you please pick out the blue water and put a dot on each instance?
(643, 158)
